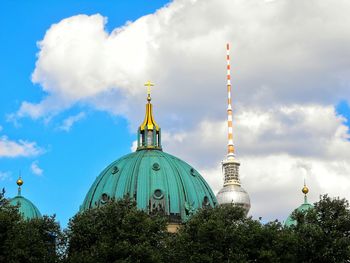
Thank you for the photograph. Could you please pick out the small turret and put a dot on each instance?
(304, 207)
(26, 208)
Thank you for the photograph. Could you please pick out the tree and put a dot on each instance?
(9, 218)
(224, 234)
(323, 233)
(26, 240)
(116, 232)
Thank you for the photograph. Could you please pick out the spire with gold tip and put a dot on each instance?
(149, 131)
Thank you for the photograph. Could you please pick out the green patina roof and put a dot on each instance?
(155, 180)
(26, 208)
(304, 207)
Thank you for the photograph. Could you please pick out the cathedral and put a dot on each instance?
(160, 182)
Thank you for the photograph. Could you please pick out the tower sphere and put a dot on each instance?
(234, 194)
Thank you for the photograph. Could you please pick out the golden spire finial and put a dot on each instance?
(305, 189)
(19, 183)
(149, 84)
(149, 131)
(149, 121)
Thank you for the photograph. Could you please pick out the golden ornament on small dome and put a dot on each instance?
(305, 190)
(19, 182)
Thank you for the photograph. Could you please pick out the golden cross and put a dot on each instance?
(149, 84)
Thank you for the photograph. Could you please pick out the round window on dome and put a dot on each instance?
(158, 194)
(115, 170)
(193, 172)
(206, 201)
(104, 198)
(156, 167)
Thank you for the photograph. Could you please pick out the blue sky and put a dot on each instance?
(80, 110)
(70, 160)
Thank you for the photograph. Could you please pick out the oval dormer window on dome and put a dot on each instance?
(158, 194)
(206, 202)
(156, 167)
(104, 198)
(115, 170)
(193, 172)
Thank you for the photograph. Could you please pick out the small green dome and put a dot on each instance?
(26, 208)
(302, 208)
(156, 180)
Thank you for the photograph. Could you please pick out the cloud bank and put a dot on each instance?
(289, 68)
(20, 148)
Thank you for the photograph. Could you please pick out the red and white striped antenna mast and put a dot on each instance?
(230, 146)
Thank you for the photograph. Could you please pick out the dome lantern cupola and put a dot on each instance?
(148, 135)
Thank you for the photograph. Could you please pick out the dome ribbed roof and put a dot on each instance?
(304, 207)
(156, 180)
(26, 208)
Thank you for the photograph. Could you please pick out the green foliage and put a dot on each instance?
(224, 234)
(119, 232)
(116, 232)
(323, 233)
(26, 240)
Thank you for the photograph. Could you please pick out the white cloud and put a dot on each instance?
(36, 169)
(4, 175)
(290, 67)
(282, 53)
(277, 149)
(18, 148)
(68, 122)
(133, 146)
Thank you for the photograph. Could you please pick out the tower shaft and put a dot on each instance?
(230, 146)
(230, 166)
(232, 192)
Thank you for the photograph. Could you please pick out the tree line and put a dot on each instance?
(119, 232)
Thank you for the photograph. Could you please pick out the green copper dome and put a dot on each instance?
(302, 208)
(26, 208)
(157, 181)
